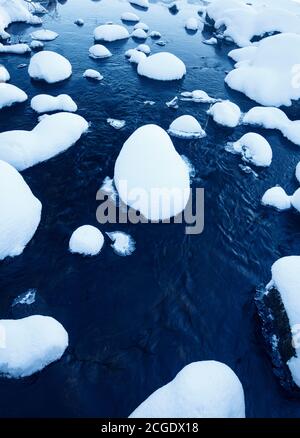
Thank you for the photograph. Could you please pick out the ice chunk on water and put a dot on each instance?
(123, 244)
(117, 124)
(25, 298)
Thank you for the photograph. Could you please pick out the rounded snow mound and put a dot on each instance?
(254, 148)
(4, 75)
(43, 103)
(295, 200)
(186, 127)
(92, 74)
(150, 175)
(10, 94)
(206, 389)
(136, 56)
(110, 32)
(142, 3)
(276, 197)
(269, 75)
(298, 172)
(86, 240)
(162, 66)
(139, 34)
(225, 113)
(130, 16)
(49, 66)
(123, 244)
(193, 24)
(20, 212)
(30, 344)
(44, 35)
(144, 48)
(99, 51)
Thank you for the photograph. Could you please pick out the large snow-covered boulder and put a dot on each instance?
(86, 240)
(206, 389)
(274, 118)
(53, 135)
(150, 175)
(10, 94)
(110, 32)
(12, 11)
(283, 289)
(254, 149)
(162, 66)
(186, 127)
(99, 51)
(20, 212)
(43, 103)
(267, 75)
(49, 66)
(30, 344)
(225, 113)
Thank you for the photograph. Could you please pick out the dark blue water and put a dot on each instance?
(135, 321)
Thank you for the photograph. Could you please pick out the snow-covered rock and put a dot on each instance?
(44, 35)
(206, 389)
(50, 67)
(162, 66)
(123, 244)
(53, 135)
(276, 197)
(20, 212)
(274, 118)
(243, 20)
(186, 127)
(86, 240)
(16, 49)
(159, 189)
(36, 45)
(12, 11)
(295, 200)
(211, 41)
(79, 22)
(225, 113)
(286, 280)
(155, 34)
(110, 32)
(130, 16)
(141, 3)
(136, 56)
(144, 48)
(198, 96)
(193, 24)
(139, 34)
(4, 75)
(99, 51)
(142, 26)
(92, 74)
(254, 149)
(267, 75)
(43, 103)
(31, 344)
(10, 94)
(297, 172)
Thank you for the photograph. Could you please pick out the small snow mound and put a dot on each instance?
(86, 240)
(4, 75)
(142, 3)
(206, 389)
(36, 45)
(198, 96)
(193, 24)
(295, 200)
(136, 56)
(92, 74)
(20, 212)
(79, 22)
(123, 244)
(50, 67)
(43, 103)
(225, 113)
(186, 127)
(110, 32)
(162, 66)
(10, 95)
(31, 344)
(130, 16)
(142, 26)
(99, 51)
(211, 41)
(44, 35)
(297, 173)
(144, 48)
(116, 124)
(16, 49)
(254, 149)
(155, 34)
(139, 34)
(276, 197)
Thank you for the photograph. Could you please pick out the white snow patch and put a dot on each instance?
(10, 94)
(198, 96)
(99, 51)
(92, 74)
(13, 11)
(211, 41)
(4, 75)
(86, 240)
(206, 389)
(50, 67)
(31, 344)
(115, 123)
(295, 200)
(16, 49)
(225, 113)
(186, 127)
(276, 197)
(36, 45)
(43, 103)
(20, 212)
(27, 298)
(158, 188)
(297, 172)
(110, 32)
(162, 66)
(44, 35)
(123, 244)
(254, 149)
(53, 135)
